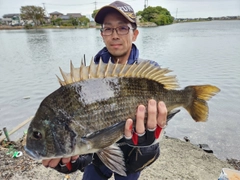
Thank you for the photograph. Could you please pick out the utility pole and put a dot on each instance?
(176, 14)
(45, 10)
(145, 4)
(44, 6)
(95, 5)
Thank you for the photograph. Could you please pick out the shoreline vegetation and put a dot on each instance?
(178, 160)
(141, 24)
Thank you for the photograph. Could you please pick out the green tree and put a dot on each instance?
(58, 21)
(34, 13)
(139, 13)
(160, 20)
(83, 20)
(94, 13)
(74, 21)
(158, 15)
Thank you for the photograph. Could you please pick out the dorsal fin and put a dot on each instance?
(103, 70)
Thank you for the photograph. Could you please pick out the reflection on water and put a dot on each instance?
(198, 53)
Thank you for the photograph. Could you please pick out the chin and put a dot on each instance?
(116, 53)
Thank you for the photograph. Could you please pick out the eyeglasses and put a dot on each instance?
(121, 30)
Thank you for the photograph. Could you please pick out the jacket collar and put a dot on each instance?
(106, 56)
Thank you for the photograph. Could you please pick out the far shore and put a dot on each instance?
(145, 24)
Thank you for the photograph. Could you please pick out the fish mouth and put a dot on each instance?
(33, 154)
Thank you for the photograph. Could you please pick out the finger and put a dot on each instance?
(46, 162)
(152, 114)
(162, 114)
(74, 158)
(128, 128)
(140, 128)
(66, 160)
(53, 162)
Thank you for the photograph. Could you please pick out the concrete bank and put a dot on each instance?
(179, 160)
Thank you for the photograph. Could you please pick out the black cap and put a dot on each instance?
(125, 9)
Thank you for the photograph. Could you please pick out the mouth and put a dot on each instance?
(33, 154)
(115, 45)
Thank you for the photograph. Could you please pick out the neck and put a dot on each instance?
(120, 60)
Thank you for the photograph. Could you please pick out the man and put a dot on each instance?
(119, 31)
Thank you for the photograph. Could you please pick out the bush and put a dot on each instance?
(28, 26)
(157, 15)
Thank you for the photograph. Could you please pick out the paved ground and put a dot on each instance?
(179, 160)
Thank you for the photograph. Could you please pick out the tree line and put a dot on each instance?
(157, 15)
(36, 14)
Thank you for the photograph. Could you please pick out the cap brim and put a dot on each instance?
(99, 18)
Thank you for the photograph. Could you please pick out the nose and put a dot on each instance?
(114, 33)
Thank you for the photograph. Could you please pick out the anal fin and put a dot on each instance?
(112, 157)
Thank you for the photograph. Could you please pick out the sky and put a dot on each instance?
(177, 8)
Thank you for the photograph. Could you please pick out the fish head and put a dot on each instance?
(49, 135)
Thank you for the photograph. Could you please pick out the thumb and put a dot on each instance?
(128, 128)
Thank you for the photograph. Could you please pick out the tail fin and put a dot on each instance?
(198, 107)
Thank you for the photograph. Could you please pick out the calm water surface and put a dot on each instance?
(198, 53)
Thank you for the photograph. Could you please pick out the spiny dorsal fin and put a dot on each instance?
(103, 70)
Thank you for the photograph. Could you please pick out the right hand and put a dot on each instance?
(156, 122)
(158, 116)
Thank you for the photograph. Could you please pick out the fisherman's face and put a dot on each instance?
(119, 46)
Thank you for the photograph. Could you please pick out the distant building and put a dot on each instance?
(64, 17)
(10, 15)
(7, 21)
(55, 15)
(74, 15)
(69, 16)
(12, 19)
(232, 17)
(47, 19)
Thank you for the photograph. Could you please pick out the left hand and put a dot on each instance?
(54, 162)
(69, 165)
(157, 120)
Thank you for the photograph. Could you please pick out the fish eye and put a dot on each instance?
(37, 135)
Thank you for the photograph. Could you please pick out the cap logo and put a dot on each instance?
(131, 15)
(125, 8)
(128, 10)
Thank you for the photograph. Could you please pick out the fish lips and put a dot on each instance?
(33, 154)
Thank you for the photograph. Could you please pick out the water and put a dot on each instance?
(198, 53)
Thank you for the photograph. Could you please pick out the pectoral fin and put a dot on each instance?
(112, 157)
(106, 137)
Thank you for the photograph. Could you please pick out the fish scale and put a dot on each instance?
(87, 113)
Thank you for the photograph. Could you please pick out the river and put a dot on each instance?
(198, 53)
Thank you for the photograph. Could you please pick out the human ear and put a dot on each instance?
(135, 34)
